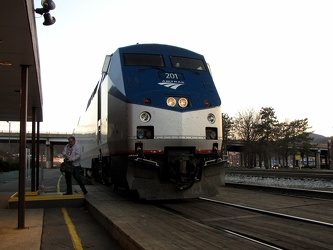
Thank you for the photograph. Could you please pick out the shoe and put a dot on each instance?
(67, 193)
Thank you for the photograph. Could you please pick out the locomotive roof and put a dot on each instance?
(159, 48)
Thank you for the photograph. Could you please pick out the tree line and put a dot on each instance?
(264, 137)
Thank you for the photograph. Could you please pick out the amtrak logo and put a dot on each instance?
(171, 85)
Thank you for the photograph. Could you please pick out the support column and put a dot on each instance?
(23, 143)
(51, 155)
(48, 154)
(37, 156)
(241, 161)
(33, 151)
(330, 153)
(318, 159)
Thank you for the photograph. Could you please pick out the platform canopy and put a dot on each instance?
(18, 46)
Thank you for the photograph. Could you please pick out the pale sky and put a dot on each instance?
(262, 53)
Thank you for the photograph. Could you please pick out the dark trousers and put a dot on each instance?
(77, 177)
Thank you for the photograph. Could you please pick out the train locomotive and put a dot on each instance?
(154, 124)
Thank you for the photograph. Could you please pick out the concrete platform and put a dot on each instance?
(30, 237)
(27, 238)
(140, 225)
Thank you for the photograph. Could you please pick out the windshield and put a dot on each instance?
(143, 60)
(187, 63)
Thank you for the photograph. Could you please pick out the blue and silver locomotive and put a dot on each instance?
(154, 124)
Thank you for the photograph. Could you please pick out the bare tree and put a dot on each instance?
(264, 137)
(245, 126)
(227, 126)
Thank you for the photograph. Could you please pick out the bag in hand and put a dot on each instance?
(66, 166)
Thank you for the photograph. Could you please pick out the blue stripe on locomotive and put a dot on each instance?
(135, 83)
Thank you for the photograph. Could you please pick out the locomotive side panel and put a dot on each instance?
(114, 121)
(86, 132)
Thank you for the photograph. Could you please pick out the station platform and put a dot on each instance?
(29, 237)
(35, 202)
(134, 223)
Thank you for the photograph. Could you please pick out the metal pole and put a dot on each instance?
(33, 151)
(329, 153)
(22, 151)
(37, 159)
(9, 151)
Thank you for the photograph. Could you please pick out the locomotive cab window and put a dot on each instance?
(187, 63)
(143, 60)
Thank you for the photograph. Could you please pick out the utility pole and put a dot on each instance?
(9, 151)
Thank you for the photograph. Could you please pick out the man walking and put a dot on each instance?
(72, 154)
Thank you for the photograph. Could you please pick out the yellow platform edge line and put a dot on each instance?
(48, 197)
(27, 194)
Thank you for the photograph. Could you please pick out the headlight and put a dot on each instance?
(149, 134)
(171, 102)
(145, 116)
(183, 102)
(211, 118)
(145, 132)
(212, 135)
(140, 133)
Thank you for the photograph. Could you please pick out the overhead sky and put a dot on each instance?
(262, 53)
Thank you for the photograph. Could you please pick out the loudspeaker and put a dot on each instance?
(48, 19)
(48, 5)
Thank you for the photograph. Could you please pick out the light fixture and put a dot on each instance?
(146, 101)
(6, 63)
(171, 102)
(182, 102)
(145, 116)
(47, 6)
(207, 103)
(211, 118)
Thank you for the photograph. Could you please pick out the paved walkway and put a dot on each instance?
(28, 238)
(11, 237)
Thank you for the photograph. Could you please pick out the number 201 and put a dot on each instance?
(171, 76)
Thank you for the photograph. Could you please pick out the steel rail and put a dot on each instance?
(322, 223)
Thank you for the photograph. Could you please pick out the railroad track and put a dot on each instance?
(247, 239)
(262, 211)
(281, 173)
(255, 227)
(315, 194)
(304, 183)
(246, 227)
